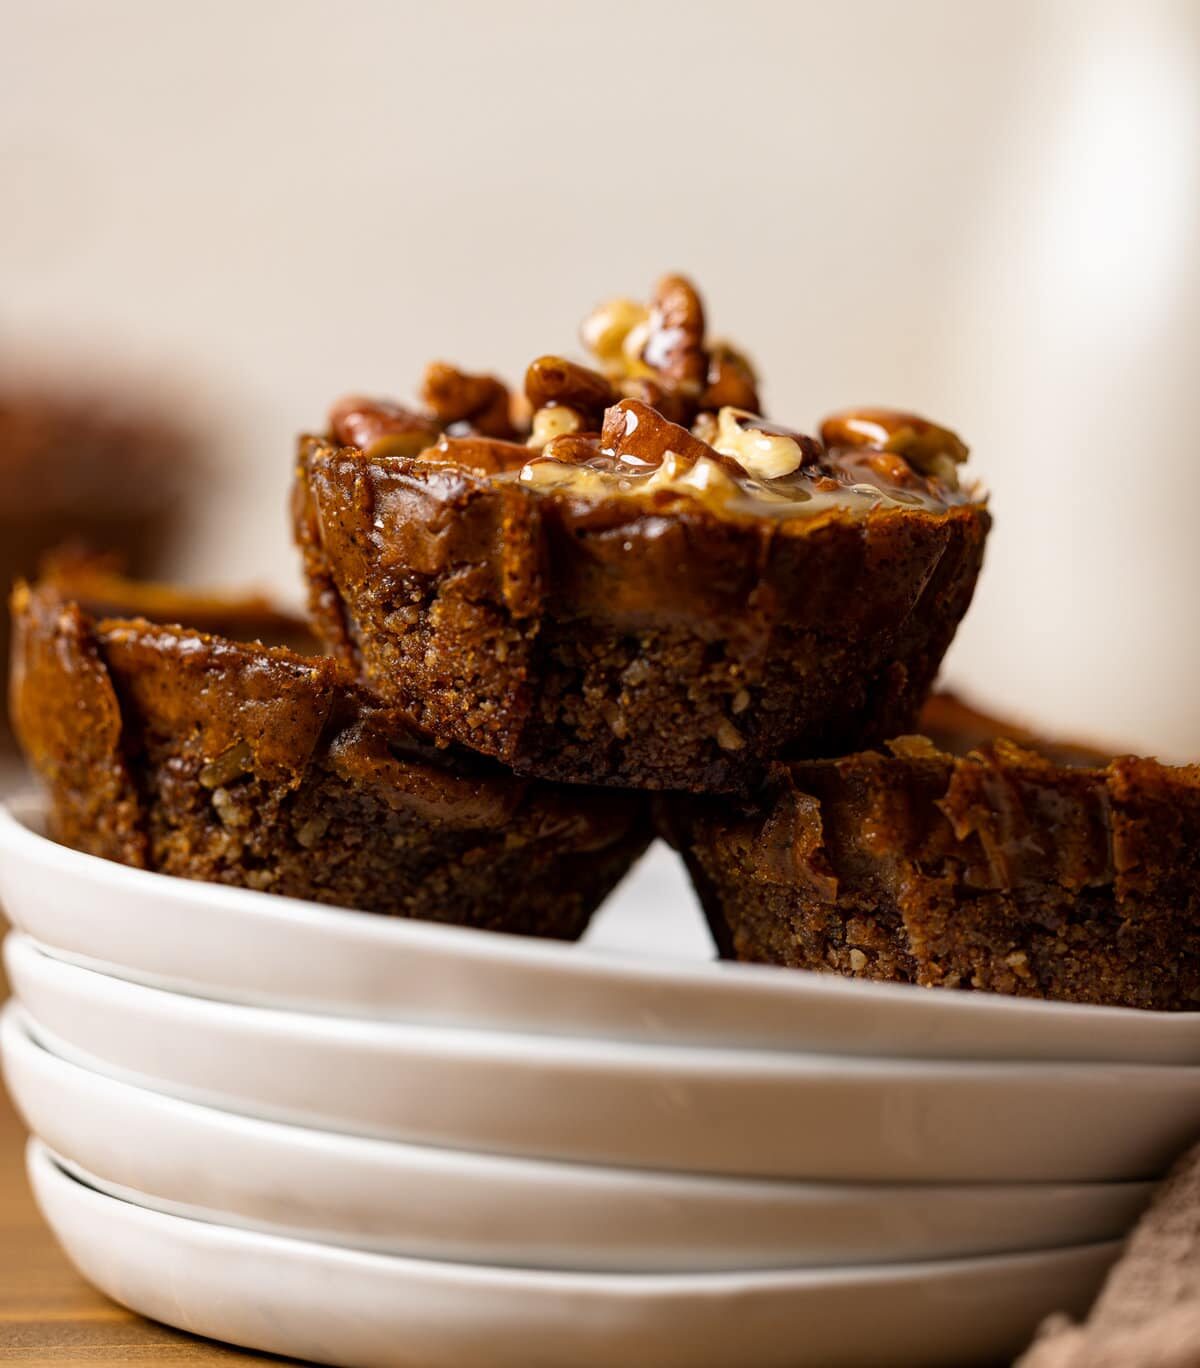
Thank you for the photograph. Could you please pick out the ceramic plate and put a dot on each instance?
(800, 1116)
(445, 1204)
(639, 976)
(342, 1306)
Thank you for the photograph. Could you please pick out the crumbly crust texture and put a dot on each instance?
(998, 870)
(165, 748)
(653, 645)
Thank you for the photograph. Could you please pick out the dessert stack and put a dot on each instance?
(313, 1060)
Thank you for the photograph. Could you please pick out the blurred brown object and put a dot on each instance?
(91, 468)
(1148, 1313)
(100, 583)
(955, 726)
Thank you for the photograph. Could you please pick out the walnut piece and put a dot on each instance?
(557, 420)
(762, 450)
(675, 338)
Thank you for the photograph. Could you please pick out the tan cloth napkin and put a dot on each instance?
(1148, 1313)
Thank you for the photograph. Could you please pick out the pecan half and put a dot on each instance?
(485, 455)
(380, 427)
(480, 402)
(551, 381)
(731, 382)
(675, 345)
(931, 449)
(638, 434)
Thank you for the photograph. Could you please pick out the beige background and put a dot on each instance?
(987, 211)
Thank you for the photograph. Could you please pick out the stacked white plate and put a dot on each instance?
(374, 1142)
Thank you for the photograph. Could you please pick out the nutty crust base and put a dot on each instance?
(651, 645)
(172, 750)
(998, 870)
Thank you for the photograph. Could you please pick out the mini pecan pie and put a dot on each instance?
(1044, 873)
(657, 588)
(170, 749)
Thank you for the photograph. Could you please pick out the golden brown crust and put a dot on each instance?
(171, 749)
(998, 869)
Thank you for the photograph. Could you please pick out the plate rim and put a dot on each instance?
(15, 1022)
(583, 1054)
(20, 839)
(42, 1161)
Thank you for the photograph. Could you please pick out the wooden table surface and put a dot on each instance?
(48, 1314)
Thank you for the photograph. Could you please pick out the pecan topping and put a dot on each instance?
(479, 402)
(485, 455)
(891, 467)
(763, 449)
(607, 329)
(380, 427)
(731, 382)
(931, 449)
(666, 412)
(675, 407)
(659, 355)
(551, 381)
(675, 344)
(639, 435)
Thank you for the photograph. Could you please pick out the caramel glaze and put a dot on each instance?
(839, 481)
(640, 455)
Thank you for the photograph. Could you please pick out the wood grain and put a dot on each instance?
(48, 1314)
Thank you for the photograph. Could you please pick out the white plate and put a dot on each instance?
(445, 1204)
(240, 946)
(341, 1306)
(812, 1117)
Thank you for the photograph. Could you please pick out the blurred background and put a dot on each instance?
(217, 218)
